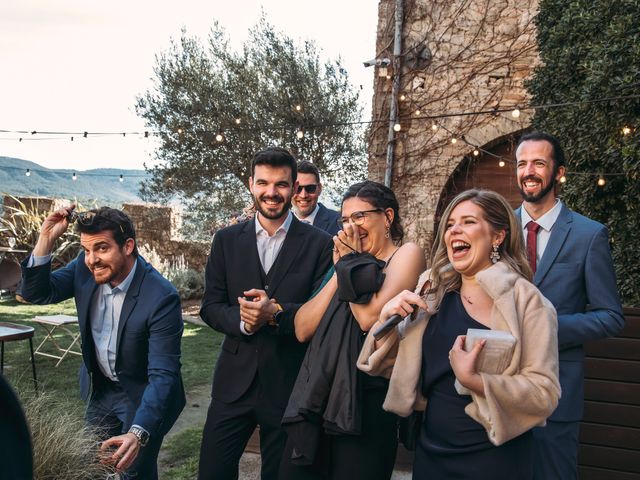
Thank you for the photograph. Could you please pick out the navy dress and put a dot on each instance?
(451, 444)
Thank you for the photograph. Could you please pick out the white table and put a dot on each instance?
(53, 323)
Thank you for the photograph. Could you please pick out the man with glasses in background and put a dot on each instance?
(131, 327)
(305, 200)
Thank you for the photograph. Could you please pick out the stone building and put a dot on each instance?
(460, 76)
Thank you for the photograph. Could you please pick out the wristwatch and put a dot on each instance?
(274, 321)
(141, 434)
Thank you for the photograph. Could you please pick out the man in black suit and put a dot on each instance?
(258, 274)
(306, 203)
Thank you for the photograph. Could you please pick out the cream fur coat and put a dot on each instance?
(515, 401)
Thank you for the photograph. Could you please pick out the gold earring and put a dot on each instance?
(387, 233)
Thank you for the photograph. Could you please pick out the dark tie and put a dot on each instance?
(532, 243)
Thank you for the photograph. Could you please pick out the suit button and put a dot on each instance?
(266, 287)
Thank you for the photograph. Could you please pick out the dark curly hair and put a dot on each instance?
(380, 197)
(116, 221)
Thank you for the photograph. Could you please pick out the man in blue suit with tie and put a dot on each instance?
(572, 265)
(131, 328)
(305, 200)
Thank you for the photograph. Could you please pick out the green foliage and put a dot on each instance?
(201, 89)
(23, 223)
(591, 50)
(188, 282)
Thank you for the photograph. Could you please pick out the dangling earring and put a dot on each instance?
(494, 255)
(387, 231)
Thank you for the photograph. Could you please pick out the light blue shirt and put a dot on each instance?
(106, 307)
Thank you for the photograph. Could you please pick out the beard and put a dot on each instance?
(533, 198)
(272, 213)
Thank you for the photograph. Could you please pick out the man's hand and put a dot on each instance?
(257, 312)
(127, 447)
(52, 228)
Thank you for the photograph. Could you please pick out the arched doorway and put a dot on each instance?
(484, 171)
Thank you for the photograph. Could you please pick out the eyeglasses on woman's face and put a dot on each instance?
(357, 218)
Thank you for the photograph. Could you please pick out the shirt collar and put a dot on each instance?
(311, 217)
(125, 284)
(546, 221)
(282, 228)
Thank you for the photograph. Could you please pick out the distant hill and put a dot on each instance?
(100, 184)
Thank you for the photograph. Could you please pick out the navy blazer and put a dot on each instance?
(274, 354)
(327, 220)
(149, 335)
(576, 274)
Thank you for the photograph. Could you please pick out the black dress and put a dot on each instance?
(451, 444)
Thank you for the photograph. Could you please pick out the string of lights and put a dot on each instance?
(437, 122)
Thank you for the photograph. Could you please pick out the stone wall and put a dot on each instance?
(458, 56)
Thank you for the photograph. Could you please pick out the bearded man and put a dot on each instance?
(131, 327)
(258, 274)
(571, 261)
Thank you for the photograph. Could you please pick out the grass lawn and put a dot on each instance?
(200, 347)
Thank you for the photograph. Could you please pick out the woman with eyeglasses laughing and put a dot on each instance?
(336, 425)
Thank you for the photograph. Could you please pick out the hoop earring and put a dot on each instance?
(495, 254)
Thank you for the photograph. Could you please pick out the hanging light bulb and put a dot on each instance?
(298, 107)
(28, 173)
(601, 181)
(300, 133)
(563, 179)
(219, 137)
(402, 97)
(454, 140)
(501, 163)
(418, 112)
(476, 152)
(397, 127)
(74, 177)
(515, 113)
(121, 178)
(434, 127)
(237, 121)
(180, 131)
(626, 130)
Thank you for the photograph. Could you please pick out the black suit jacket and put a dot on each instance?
(273, 353)
(327, 220)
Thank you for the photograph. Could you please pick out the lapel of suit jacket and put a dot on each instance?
(558, 236)
(288, 253)
(131, 297)
(248, 246)
(84, 301)
(321, 219)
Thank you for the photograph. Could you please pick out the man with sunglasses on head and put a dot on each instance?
(307, 208)
(131, 326)
(258, 274)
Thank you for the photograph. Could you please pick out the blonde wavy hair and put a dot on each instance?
(500, 216)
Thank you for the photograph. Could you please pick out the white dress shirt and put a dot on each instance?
(309, 218)
(269, 247)
(546, 222)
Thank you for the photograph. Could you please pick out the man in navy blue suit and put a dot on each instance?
(131, 327)
(572, 266)
(305, 200)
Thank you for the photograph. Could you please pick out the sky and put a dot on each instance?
(78, 65)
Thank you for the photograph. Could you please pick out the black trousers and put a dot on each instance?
(227, 431)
